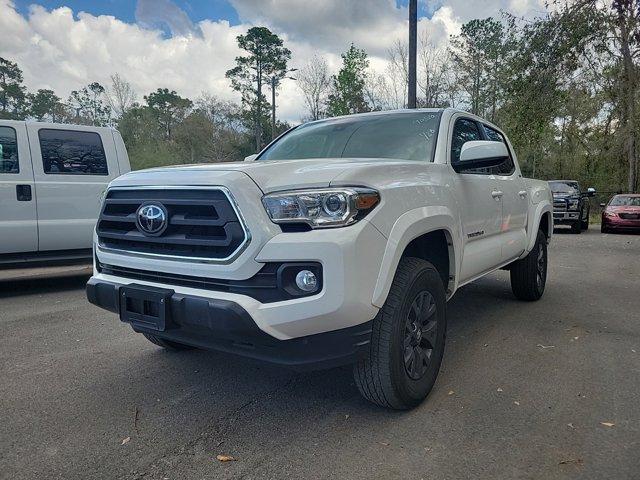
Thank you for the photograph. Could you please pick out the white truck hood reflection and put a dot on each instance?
(270, 176)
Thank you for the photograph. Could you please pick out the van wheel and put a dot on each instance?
(407, 341)
(529, 275)
(168, 344)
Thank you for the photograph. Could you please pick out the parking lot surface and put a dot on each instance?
(527, 390)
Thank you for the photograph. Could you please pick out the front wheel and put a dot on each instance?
(576, 227)
(407, 341)
(585, 222)
(529, 275)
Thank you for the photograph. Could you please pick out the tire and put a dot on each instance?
(585, 223)
(402, 363)
(576, 227)
(167, 344)
(529, 275)
(603, 229)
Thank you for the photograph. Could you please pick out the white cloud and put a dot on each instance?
(64, 52)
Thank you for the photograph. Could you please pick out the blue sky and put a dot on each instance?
(125, 9)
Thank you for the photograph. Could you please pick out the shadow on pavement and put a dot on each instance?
(11, 287)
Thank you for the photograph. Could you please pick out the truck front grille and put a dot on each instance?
(559, 205)
(196, 224)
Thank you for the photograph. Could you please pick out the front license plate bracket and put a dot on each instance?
(145, 307)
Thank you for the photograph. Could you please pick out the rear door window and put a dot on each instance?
(72, 152)
(8, 151)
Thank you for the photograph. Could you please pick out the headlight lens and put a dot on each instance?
(573, 204)
(322, 208)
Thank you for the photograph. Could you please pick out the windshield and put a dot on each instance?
(570, 188)
(402, 136)
(625, 201)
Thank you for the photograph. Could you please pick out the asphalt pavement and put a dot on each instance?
(544, 390)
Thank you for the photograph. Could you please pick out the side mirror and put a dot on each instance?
(602, 205)
(481, 154)
(591, 192)
(251, 158)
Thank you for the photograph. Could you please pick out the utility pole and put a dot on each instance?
(273, 107)
(275, 81)
(413, 48)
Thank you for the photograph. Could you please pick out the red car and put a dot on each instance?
(621, 213)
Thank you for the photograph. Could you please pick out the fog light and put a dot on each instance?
(306, 281)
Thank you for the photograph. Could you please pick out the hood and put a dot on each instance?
(565, 195)
(623, 209)
(270, 176)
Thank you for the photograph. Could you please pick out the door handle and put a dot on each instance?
(23, 193)
(497, 194)
(522, 193)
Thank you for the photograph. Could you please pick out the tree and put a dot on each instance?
(348, 87)
(266, 57)
(120, 96)
(625, 29)
(314, 81)
(479, 53)
(13, 97)
(45, 104)
(88, 105)
(434, 78)
(168, 108)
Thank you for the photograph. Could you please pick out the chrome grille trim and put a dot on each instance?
(234, 205)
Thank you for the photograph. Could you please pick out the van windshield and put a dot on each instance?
(402, 136)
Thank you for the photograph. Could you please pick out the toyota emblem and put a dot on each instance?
(151, 219)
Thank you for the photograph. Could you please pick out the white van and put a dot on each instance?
(52, 178)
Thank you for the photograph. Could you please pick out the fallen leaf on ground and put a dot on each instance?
(608, 424)
(577, 461)
(225, 458)
(384, 443)
(125, 440)
(546, 346)
(499, 389)
(570, 425)
(517, 403)
(346, 417)
(451, 392)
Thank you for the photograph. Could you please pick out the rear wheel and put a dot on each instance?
(168, 344)
(529, 275)
(407, 342)
(604, 229)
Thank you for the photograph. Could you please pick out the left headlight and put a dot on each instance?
(321, 208)
(573, 204)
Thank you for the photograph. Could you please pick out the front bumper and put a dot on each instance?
(617, 223)
(565, 217)
(223, 325)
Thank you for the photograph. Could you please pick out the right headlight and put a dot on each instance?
(321, 208)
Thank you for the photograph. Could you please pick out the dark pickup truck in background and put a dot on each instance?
(570, 204)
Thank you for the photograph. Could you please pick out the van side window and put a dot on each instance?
(71, 152)
(507, 167)
(8, 151)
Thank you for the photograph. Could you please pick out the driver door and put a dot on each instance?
(480, 206)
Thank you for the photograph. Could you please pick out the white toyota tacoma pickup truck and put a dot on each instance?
(339, 243)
